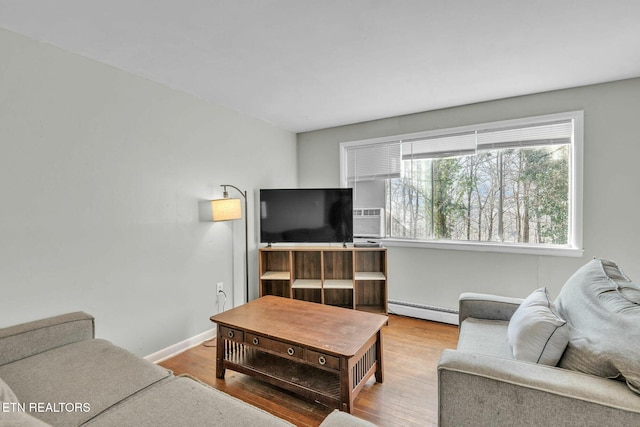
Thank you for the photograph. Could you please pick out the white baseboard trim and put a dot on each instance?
(178, 348)
(420, 311)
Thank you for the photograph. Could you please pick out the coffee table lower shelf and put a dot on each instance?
(313, 383)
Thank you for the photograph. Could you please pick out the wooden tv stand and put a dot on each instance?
(323, 353)
(348, 277)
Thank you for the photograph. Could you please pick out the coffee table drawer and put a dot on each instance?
(275, 346)
(323, 360)
(232, 334)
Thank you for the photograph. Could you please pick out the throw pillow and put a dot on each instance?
(6, 394)
(536, 332)
(13, 415)
(602, 307)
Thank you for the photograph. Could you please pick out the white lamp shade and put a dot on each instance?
(226, 209)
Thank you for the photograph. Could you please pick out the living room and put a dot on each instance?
(103, 170)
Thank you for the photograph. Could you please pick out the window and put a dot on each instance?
(509, 185)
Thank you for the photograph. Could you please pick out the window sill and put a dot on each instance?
(512, 248)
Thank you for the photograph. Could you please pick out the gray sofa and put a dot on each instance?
(594, 383)
(54, 372)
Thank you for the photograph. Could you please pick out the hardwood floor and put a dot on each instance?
(408, 396)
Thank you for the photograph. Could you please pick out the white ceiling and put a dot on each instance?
(311, 64)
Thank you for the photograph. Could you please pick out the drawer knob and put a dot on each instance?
(230, 334)
(255, 341)
(322, 360)
(290, 351)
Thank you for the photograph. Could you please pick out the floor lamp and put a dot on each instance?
(227, 209)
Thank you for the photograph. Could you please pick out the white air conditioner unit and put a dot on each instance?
(368, 222)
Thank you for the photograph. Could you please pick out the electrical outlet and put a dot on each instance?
(219, 287)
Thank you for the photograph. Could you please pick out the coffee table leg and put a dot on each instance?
(219, 354)
(379, 360)
(346, 380)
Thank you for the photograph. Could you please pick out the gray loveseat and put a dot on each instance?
(53, 372)
(594, 383)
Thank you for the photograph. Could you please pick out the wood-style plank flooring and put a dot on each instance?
(408, 396)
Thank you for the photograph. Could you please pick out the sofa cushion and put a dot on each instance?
(536, 332)
(184, 402)
(92, 373)
(12, 413)
(484, 336)
(602, 306)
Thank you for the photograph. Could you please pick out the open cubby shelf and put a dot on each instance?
(346, 277)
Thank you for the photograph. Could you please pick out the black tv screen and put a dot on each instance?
(306, 215)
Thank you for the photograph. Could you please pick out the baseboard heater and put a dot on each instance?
(421, 311)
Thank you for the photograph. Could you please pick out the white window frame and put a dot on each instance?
(574, 248)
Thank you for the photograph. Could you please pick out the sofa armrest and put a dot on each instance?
(481, 390)
(26, 339)
(486, 306)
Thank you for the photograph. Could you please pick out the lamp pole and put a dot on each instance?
(246, 234)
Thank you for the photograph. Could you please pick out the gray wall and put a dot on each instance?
(100, 177)
(611, 198)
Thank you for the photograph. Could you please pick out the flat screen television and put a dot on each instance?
(306, 215)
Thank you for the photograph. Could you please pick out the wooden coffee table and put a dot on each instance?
(320, 352)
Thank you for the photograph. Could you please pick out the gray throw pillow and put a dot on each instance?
(11, 413)
(602, 306)
(536, 332)
(6, 394)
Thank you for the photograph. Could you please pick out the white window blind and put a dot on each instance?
(459, 144)
(383, 160)
(539, 134)
(376, 161)
(439, 146)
